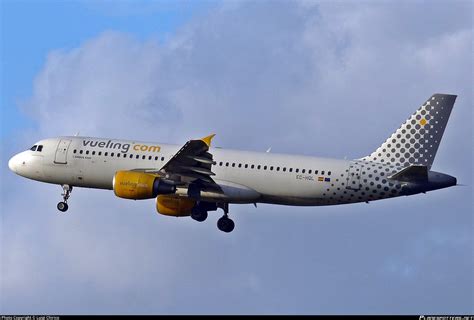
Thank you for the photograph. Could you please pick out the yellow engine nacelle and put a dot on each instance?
(174, 206)
(138, 185)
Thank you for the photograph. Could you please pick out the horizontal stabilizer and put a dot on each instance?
(411, 173)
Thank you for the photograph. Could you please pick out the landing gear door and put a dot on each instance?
(61, 152)
(353, 177)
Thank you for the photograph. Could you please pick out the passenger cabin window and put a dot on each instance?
(271, 168)
(74, 151)
(40, 148)
(233, 164)
(106, 153)
(143, 157)
(303, 171)
(137, 156)
(118, 155)
(220, 163)
(80, 151)
(240, 165)
(100, 153)
(149, 157)
(309, 171)
(87, 152)
(258, 167)
(131, 156)
(252, 166)
(112, 154)
(264, 167)
(315, 171)
(162, 158)
(291, 170)
(33, 148)
(246, 166)
(278, 168)
(284, 169)
(329, 173)
(297, 170)
(93, 152)
(156, 158)
(322, 172)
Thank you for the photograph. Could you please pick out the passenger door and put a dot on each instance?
(61, 152)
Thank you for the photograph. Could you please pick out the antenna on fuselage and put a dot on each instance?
(77, 133)
(268, 150)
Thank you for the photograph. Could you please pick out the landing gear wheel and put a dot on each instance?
(225, 224)
(199, 216)
(62, 206)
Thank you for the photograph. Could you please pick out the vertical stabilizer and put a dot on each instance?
(418, 138)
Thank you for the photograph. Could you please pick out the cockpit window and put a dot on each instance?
(33, 148)
(40, 148)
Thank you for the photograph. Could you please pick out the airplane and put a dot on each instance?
(194, 179)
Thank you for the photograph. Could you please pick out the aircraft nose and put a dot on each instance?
(12, 163)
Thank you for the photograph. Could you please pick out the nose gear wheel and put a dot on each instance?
(63, 206)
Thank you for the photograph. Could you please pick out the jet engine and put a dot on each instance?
(174, 206)
(139, 185)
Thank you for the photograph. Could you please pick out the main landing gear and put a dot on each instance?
(225, 223)
(200, 213)
(62, 206)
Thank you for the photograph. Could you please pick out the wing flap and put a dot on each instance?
(202, 159)
(200, 170)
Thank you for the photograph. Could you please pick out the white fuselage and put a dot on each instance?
(245, 177)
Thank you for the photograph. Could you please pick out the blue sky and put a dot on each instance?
(315, 78)
(30, 29)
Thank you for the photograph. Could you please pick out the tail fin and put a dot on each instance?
(417, 140)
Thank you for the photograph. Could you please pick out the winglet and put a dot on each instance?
(207, 140)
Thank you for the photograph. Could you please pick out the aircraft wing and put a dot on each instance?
(190, 165)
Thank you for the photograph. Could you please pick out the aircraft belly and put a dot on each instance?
(230, 192)
(100, 175)
(278, 189)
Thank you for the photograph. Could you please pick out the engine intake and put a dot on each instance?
(138, 185)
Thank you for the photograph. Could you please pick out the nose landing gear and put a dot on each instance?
(62, 206)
